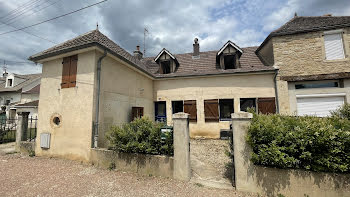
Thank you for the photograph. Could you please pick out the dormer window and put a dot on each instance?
(165, 67)
(10, 82)
(228, 56)
(167, 62)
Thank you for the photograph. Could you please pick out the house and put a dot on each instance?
(19, 93)
(312, 54)
(90, 83)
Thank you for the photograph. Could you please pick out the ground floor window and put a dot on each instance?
(177, 106)
(160, 111)
(267, 105)
(211, 110)
(136, 112)
(226, 108)
(246, 103)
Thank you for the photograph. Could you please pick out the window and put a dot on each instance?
(9, 82)
(7, 102)
(178, 106)
(160, 111)
(165, 67)
(317, 85)
(69, 71)
(136, 112)
(226, 109)
(230, 61)
(211, 110)
(334, 47)
(190, 107)
(246, 103)
(267, 105)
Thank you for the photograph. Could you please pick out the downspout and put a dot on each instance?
(276, 92)
(95, 145)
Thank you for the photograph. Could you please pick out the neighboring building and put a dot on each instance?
(208, 85)
(17, 91)
(312, 54)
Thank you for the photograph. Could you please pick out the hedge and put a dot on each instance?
(140, 136)
(310, 143)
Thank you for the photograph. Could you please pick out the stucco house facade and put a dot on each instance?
(19, 93)
(90, 83)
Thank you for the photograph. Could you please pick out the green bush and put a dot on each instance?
(311, 143)
(140, 136)
(342, 112)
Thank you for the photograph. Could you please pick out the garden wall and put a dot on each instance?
(154, 165)
(272, 181)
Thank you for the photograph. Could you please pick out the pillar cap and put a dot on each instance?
(180, 115)
(241, 115)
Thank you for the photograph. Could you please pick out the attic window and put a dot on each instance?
(9, 82)
(230, 61)
(165, 67)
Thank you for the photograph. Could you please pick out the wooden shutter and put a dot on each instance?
(190, 107)
(334, 46)
(65, 72)
(73, 70)
(211, 110)
(266, 105)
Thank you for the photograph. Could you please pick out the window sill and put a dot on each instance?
(337, 60)
(225, 119)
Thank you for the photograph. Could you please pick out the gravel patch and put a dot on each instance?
(38, 176)
(212, 152)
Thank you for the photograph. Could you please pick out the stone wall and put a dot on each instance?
(304, 54)
(272, 181)
(154, 165)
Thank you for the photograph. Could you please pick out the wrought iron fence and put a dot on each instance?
(8, 127)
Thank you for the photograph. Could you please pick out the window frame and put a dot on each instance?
(234, 61)
(255, 103)
(219, 106)
(168, 62)
(10, 82)
(339, 32)
(306, 85)
(158, 117)
(173, 106)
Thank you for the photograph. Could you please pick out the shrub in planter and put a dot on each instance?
(140, 136)
(311, 143)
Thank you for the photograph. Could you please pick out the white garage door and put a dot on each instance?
(318, 106)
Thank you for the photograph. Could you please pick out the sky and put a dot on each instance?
(171, 24)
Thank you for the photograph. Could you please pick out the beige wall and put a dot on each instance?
(303, 54)
(121, 89)
(266, 53)
(25, 98)
(72, 138)
(218, 87)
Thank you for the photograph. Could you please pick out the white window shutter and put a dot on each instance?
(334, 46)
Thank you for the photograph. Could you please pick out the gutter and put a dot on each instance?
(95, 144)
(276, 92)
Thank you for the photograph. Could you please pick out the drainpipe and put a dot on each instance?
(98, 98)
(276, 92)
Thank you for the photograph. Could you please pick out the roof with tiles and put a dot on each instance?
(28, 80)
(188, 66)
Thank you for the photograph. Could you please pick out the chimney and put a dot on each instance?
(195, 48)
(138, 53)
(327, 15)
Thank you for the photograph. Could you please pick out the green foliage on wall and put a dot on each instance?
(310, 143)
(140, 136)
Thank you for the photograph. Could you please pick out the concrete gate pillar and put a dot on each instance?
(182, 166)
(241, 150)
(22, 127)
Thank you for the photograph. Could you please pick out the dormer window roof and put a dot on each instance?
(167, 62)
(228, 56)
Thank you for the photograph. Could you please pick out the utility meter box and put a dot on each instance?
(45, 140)
(164, 132)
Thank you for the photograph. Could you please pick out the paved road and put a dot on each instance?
(37, 176)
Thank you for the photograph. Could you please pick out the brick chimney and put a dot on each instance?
(195, 48)
(138, 53)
